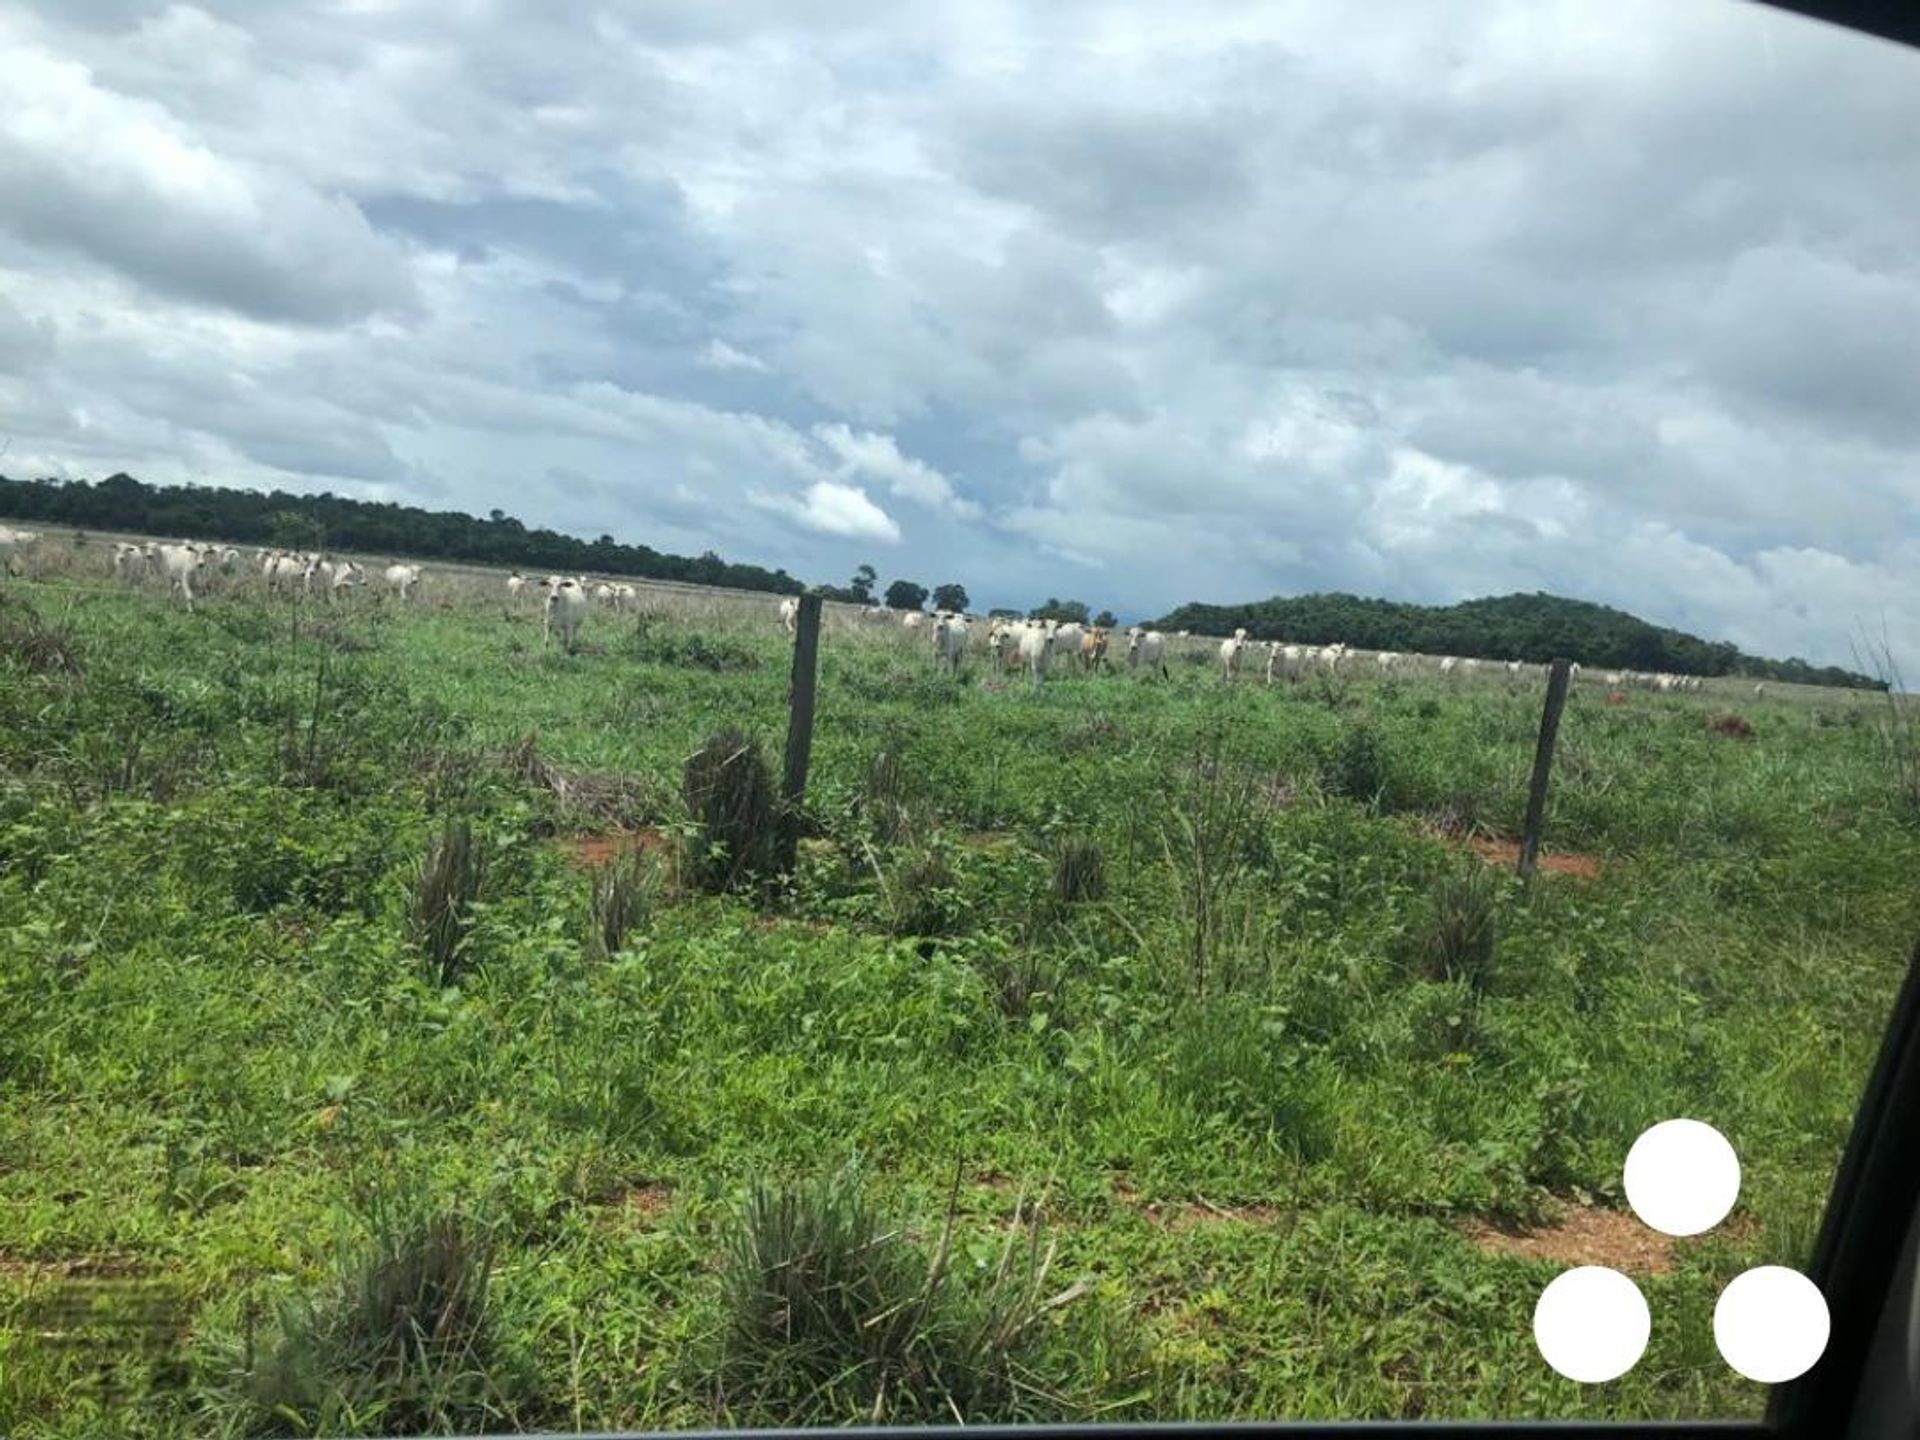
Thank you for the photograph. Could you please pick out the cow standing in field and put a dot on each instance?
(1093, 649)
(1230, 652)
(1148, 648)
(949, 642)
(566, 606)
(178, 563)
(14, 543)
(401, 579)
(790, 614)
(1036, 648)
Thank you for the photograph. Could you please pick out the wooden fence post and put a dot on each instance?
(1557, 679)
(793, 781)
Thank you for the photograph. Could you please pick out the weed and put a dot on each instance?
(444, 893)
(616, 904)
(402, 1340)
(1079, 870)
(833, 1316)
(729, 794)
(1456, 939)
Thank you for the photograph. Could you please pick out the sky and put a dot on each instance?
(1131, 303)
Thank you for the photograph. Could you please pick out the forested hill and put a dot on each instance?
(1534, 627)
(200, 512)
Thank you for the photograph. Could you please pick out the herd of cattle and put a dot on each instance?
(1034, 645)
(1031, 646)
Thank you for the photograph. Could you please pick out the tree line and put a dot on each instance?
(1536, 628)
(249, 517)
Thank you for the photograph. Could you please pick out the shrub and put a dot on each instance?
(1457, 937)
(1443, 1019)
(443, 897)
(1079, 870)
(883, 798)
(401, 1341)
(924, 897)
(616, 904)
(35, 646)
(833, 1316)
(729, 794)
(1357, 768)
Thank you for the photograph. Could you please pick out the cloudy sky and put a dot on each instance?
(1137, 303)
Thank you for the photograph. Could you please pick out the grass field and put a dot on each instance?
(1130, 1049)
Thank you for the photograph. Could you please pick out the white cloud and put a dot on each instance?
(721, 356)
(878, 456)
(833, 509)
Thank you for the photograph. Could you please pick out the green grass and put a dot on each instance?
(1248, 1080)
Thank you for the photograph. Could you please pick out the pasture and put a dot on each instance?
(1130, 1048)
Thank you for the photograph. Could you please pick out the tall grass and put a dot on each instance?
(444, 893)
(1456, 938)
(834, 1316)
(401, 1340)
(729, 794)
(617, 896)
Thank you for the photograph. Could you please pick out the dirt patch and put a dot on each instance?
(591, 851)
(1499, 851)
(1732, 726)
(647, 1200)
(1579, 1235)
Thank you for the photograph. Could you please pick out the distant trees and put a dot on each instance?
(1065, 611)
(1534, 627)
(950, 596)
(291, 530)
(1105, 620)
(1003, 614)
(905, 595)
(863, 582)
(292, 521)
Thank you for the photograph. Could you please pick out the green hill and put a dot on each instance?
(1534, 627)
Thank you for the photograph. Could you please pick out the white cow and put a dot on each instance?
(177, 563)
(516, 588)
(341, 575)
(566, 605)
(790, 613)
(1230, 651)
(913, 620)
(625, 597)
(1035, 641)
(129, 561)
(1386, 660)
(1148, 648)
(1066, 637)
(1449, 664)
(1513, 667)
(12, 543)
(949, 642)
(283, 569)
(401, 578)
